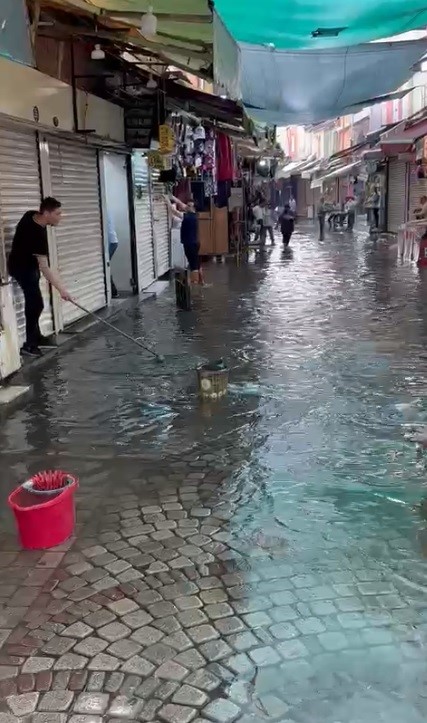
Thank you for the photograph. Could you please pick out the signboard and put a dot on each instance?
(166, 139)
(139, 122)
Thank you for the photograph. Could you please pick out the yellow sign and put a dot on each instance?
(156, 160)
(166, 139)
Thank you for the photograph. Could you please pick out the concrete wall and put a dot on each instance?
(23, 89)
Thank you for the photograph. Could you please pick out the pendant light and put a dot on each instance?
(149, 23)
(97, 53)
(151, 83)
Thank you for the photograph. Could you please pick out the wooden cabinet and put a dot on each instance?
(213, 231)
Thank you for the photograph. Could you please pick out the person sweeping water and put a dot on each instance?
(186, 212)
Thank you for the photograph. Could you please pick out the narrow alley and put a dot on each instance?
(263, 557)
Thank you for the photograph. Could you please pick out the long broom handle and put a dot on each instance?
(115, 328)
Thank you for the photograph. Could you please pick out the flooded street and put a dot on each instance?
(263, 557)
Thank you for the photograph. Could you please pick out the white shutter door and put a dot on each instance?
(143, 221)
(20, 192)
(79, 241)
(417, 188)
(160, 226)
(396, 195)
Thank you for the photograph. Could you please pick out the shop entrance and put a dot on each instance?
(117, 224)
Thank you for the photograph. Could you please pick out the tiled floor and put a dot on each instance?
(224, 570)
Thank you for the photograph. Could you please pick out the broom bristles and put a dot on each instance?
(49, 480)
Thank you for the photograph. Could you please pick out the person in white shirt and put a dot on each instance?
(350, 209)
(258, 213)
(293, 205)
(267, 224)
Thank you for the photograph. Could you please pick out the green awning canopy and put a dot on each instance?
(290, 24)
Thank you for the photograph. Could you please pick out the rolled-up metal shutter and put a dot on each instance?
(161, 233)
(143, 221)
(20, 192)
(396, 194)
(79, 241)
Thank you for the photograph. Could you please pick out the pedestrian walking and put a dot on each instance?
(287, 224)
(321, 216)
(293, 205)
(350, 209)
(28, 259)
(267, 224)
(258, 213)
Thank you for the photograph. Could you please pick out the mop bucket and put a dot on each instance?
(213, 380)
(44, 509)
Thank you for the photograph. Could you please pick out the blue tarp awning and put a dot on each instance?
(284, 87)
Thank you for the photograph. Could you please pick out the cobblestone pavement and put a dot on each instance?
(229, 564)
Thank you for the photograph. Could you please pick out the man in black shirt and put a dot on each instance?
(30, 256)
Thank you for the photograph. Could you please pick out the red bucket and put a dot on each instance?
(44, 521)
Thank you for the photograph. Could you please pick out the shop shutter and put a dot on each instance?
(79, 241)
(143, 221)
(417, 188)
(161, 234)
(396, 195)
(20, 192)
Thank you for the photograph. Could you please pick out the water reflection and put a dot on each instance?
(326, 495)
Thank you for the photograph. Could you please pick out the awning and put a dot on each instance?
(301, 24)
(349, 151)
(290, 169)
(401, 141)
(351, 168)
(307, 174)
(293, 88)
(373, 154)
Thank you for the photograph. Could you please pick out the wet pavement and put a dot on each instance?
(258, 558)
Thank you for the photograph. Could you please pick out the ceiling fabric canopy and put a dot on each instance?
(284, 88)
(289, 24)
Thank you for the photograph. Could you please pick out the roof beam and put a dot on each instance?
(174, 17)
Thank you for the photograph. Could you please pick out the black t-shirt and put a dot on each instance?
(29, 241)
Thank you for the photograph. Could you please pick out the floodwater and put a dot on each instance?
(327, 347)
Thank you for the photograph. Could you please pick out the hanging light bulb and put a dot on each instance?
(97, 53)
(149, 23)
(151, 83)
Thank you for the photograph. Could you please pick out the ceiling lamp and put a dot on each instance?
(151, 83)
(149, 23)
(97, 53)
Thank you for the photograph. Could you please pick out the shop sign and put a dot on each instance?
(156, 160)
(166, 139)
(139, 123)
